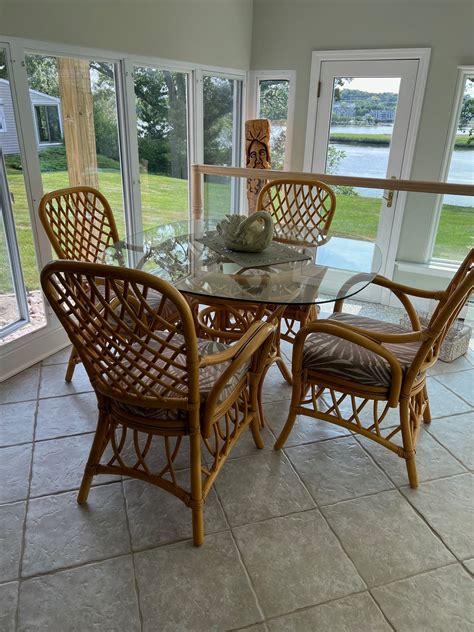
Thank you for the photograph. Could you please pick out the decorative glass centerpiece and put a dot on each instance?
(246, 234)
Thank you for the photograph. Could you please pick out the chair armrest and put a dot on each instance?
(233, 351)
(357, 336)
(255, 342)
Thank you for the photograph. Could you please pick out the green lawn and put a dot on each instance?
(166, 199)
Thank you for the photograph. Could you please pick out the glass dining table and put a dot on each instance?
(229, 290)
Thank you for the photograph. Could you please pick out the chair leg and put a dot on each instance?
(71, 365)
(197, 502)
(408, 444)
(287, 428)
(284, 370)
(427, 411)
(97, 449)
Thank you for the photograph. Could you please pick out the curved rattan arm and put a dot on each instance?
(242, 352)
(400, 291)
(231, 352)
(362, 340)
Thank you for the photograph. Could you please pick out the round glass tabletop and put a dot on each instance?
(195, 262)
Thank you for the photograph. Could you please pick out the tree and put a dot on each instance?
(467, 111)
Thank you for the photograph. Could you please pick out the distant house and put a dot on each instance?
(46, 116)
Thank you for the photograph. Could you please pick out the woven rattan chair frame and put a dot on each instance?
(369, 406)
(303, 212)
(146, 372)
(80, 225)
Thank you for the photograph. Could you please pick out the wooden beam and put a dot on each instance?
(78, 121)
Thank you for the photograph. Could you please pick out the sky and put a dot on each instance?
(373, 84)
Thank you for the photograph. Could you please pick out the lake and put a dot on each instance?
(371, 162)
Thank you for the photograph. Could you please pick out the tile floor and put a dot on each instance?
(324, 536)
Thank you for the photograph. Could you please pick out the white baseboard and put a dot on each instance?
(21, 354)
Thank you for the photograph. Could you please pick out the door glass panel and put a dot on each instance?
(362, 120)
(162, 129)
(273, 105)
(75, 115)
(222, 104)
(10, 146)
(455, 234)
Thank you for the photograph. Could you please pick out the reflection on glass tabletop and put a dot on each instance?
(340, 267)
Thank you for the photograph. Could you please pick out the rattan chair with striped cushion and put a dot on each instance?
(161, 391)
(350, 370)
(302, 212)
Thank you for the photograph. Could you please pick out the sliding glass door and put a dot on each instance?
(161, 102)
(222, 140)
(74, 106)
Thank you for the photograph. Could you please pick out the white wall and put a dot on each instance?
(285, 32)
(214, 32)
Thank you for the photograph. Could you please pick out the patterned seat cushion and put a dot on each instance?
(208, 376)
(330, 354)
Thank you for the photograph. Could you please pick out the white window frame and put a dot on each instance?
(253, 106)
(463, 73)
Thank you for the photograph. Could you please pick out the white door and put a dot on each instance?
(362, 121)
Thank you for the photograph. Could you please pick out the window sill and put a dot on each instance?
(442, 269)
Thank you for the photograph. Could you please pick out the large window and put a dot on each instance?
(455, 231)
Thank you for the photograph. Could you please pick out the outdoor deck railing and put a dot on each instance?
(418, 186)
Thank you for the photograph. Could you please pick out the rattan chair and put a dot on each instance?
(156, 382)
(302, 213)
(350, 370)
(80, 225)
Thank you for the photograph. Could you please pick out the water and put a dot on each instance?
(371, 162)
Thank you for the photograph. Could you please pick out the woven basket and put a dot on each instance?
(456, 342)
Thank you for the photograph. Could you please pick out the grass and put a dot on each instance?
(166, 199)
(462, 140)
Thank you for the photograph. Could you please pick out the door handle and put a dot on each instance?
(388, 195)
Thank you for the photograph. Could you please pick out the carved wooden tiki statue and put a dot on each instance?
(257, 152)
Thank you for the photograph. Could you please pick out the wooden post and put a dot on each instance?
(196, 193)
(257, 154)
(78, 121)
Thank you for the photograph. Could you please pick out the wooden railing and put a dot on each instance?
(418, 186)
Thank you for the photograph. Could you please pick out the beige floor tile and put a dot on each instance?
(385, 537)
(61, 533)
(21, 387)
(245, 446)
(441, 368)
(357, 613)
(53, 384)
(337, 470)
(259, 487)
(58, 465)
(305, 429)
(17, 423)
(157, 517)
(59, 358)
(461, 383)
(15, 463)
(432, 460)
(469, 564)
(437, 601)
(11, 533)
(442, 401)
(275, 388)
(62, 416)
(448, 506)
(456, 433)
(195, 589)
(295, 561)
(98, 596)
(8, 601)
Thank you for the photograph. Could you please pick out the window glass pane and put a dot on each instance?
(10, 145)
(362, 119)
(85, 140)
(162, 128)
(222, 142)
(273, 105)
(455, 234)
